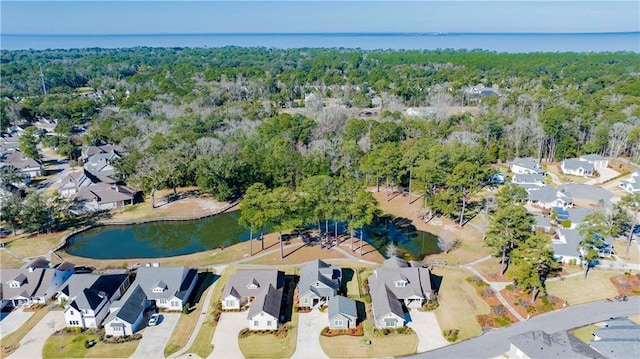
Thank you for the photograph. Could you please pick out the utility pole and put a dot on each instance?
(44, 88)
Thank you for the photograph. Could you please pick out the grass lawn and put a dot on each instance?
(585, 334)
(187, 322)
(353, 285)
(13, 340)
(72, 346)
(620, 248)
(459, 303)
(470, 248)
(32, 245)
(9, 261)
(345, 346)
(576, 290)
(269, 346)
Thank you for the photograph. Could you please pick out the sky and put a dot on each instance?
(185, 17)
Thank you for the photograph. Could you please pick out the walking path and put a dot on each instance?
(496, 289)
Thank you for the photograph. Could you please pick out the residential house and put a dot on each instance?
(525, 165)
(598, 162)
(244, 286)
(28, 166)
(125, 317)
(318, 283)
(343, 313)
(88, 297)
(103, 197)
(34, 284)
(101, 163)
(46, 124)
(618, 339)
(264, 312)
(565, 245)
(548, 197)
(89, 151)
(542, 224)
(540, 345)
(169, 287)
(528, 179)
(577, 167)
(577, 215)
(631, 184)
(398, 284)
(9, 143)
(74, 181)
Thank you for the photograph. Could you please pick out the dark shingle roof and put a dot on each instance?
(87, 299)
(268, 301)
(132, 307)
(540, 345)
(340, 305)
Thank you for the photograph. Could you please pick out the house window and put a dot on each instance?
(401, 284)
(71, 312)
(117, 328)
(162, 301)
(305, 300)
(14, 285)
(338, 323)
(175, 303)
(390, 323)
(74, 322)
(268, 323)
(255, 323)
(157, 290)
(230, 303)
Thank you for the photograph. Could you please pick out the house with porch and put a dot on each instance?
(245, 285)
(168, 287)
(398, 283)
(527, 165)
(126, 314)
(264, 312)
(598, 162)
(548, 197)
(88, 297)
(34, 284)
(577, 167)
(343, 313)
(318, 283)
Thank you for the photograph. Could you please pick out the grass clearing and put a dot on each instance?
(459, 302)
(12, 341)
(9, 261)
(187, 322)
(585, 334)
(345, 346)
(576, 290)
(72, 346)
(33, 245)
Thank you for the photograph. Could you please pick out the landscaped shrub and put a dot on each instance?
(244, 333)
(477, 281)
(117, 340)
(502, 321)
(367, 298)
(431, 304)
(451, 335)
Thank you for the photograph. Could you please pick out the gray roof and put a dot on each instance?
(104, 193)
(242, 282)
(593, 157)
(573, 238)
(132, 306)
(526, 162)
(34, 283)
(619, 339)
(574, 164)
(177, 280)
(547, 194)
(268, 301)
(39, 262)
(320, 278)
(542, 221)
(384, 301)
(87, 299)
(20, 162)
(106, 283)
(528, 178)
(576, 215)
(344, 306)
(540, 345)
(418, 280)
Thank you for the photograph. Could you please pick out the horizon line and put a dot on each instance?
(348, 33)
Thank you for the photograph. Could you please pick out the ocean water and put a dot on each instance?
(499, 42)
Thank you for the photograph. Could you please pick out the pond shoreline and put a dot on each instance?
(64, 241)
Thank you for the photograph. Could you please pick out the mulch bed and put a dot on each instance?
(521, 302)
(498, 316)
(627, 284)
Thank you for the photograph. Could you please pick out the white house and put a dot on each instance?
(126, 315)
(169, 287)
(526, 165)
(548, 197)
(318, 283)
(631, 184)
(577, 167)
(264, 312)
(565, 245)
(244, 286)
(34, 284)
(598, 162)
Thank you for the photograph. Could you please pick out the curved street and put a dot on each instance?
(496, 343)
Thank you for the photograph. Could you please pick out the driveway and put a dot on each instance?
(156, 337)
(496, 343)
(587, 192)
(309, 327)
(31, 345)
(11, 321)
(605, 175)
(225, 339)
(428, 330)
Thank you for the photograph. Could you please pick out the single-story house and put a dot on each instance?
(318, 283)
(37, 283)
(387, 308)
(28, 166)
(88, 296)
(548, 197)
(542, 224)
(577, 215)
(528, 178)
(565, 245)
(525, 165)
(598, 162)
(169, 287)
(126, 315)
(577, 167)
(540, 345)
(103, 196)
(618, 339)
(244, 286)
(343, 313)
(631, 184)
(264, 312)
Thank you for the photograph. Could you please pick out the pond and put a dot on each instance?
(175, 238)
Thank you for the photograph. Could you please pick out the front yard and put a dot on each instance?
(576, 290)
(369, 346)
(73, 346)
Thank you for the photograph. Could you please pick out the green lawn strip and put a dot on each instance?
(72, 346)
(585, 334)
(12, 341)
(459, 303)
(345, 346)
(577, 290)
(187, 322)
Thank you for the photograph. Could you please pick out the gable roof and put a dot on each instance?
(33, 282)
(619, 339)
(418, 280)
(132, 306)
(104, 193)
(528, 178)
(526, 162)
(540, 345)
(87, 299)
(177, 279)
(239, 282)
(576, 215)
(548, 194)
(384, 302)
(570, 246)
(105, 283)
(593, 157)
(268, 301)
(573, 164)
(339, 305)
(319, 278)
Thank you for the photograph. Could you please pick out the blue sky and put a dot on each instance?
(162, 17)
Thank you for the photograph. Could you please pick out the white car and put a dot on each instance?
(154, 319)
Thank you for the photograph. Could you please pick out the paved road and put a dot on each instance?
(10, 322)
(426, 326)
(155, 338)
(586, 192)
(32, 344)
(309, 327)
(225, 339)
(496, 343)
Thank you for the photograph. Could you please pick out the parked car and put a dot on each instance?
(154, 319)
